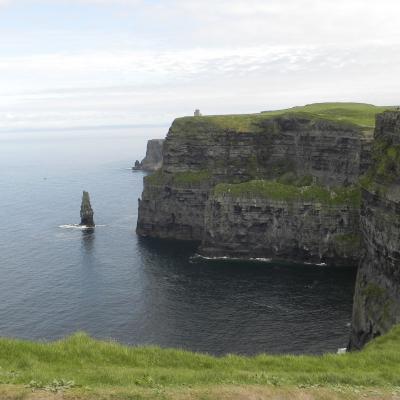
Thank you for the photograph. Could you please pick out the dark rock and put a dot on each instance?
(86, 211)
(255, 227)
(183, 200)
(177, 204)
(154, 155)
(137, 166)
(377, 295)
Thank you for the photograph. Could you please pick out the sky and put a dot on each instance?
(89, 63)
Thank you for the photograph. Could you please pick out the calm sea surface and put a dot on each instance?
(56, 280)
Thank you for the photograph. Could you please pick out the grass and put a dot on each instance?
(184, 179)
(85, 366)
(358, 114)
(385, 168)
(282, 192)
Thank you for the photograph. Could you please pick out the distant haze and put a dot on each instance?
(80, 63)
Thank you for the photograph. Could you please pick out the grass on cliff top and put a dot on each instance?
(362, 115)
(280, 192)
(186, 178)
(85, 363)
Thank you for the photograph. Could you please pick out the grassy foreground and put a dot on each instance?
(82, 368)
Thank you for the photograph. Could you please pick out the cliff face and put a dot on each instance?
(292, 187)
(171, 211)
(267, 148)
(300, 230)
(377, 296)
(186, 199)
(154, 156)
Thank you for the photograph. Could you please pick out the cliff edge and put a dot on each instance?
(377, 296)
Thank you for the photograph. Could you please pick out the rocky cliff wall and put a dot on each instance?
(172, 211)
(201, 152)
(377, 295)
(267, 148)
(250, 225)
(154, 156)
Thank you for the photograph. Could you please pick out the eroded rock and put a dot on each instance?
(86, 211)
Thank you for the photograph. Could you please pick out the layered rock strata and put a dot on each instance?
(154, 156)
(377, 296)
(200, 154)
(322, 228)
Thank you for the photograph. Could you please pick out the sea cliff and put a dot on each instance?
(311, 187)
(265, 185)
(377, 295)
(154, 156)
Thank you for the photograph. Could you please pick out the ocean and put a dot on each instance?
(56, 279)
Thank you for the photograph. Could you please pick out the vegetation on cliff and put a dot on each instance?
(90, 367)
(386, 165)
(281, 192)
(359, 114)
(186, 178)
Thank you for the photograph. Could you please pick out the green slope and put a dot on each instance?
(107, 364)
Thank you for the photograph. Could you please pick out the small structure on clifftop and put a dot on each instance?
(86, 211)
(197, 113)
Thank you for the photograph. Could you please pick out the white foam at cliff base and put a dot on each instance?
(231, 258)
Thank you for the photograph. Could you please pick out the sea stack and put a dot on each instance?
(154, 157)
(86, 211)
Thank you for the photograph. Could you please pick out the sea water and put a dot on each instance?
(57, 279)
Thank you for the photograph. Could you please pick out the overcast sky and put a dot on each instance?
(117, 62)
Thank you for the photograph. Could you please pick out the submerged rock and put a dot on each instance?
(86, 211)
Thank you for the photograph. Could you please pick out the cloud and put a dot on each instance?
(138, 61)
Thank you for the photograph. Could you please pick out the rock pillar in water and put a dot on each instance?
(86, 211)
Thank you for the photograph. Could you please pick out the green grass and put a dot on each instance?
(359, 114)
(281, 192)
(184, 179)
(97, 364)
(374, 291)
(385, 168)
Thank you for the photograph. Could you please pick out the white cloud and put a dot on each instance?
(224, 56)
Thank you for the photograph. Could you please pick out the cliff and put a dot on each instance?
(274, 185)
(306, 224)
(377, 295)
(154, 156)
(294, 186)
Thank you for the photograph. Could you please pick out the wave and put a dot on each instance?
(226, 258)
(258, 259)
(79, 227)
(321, 264)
